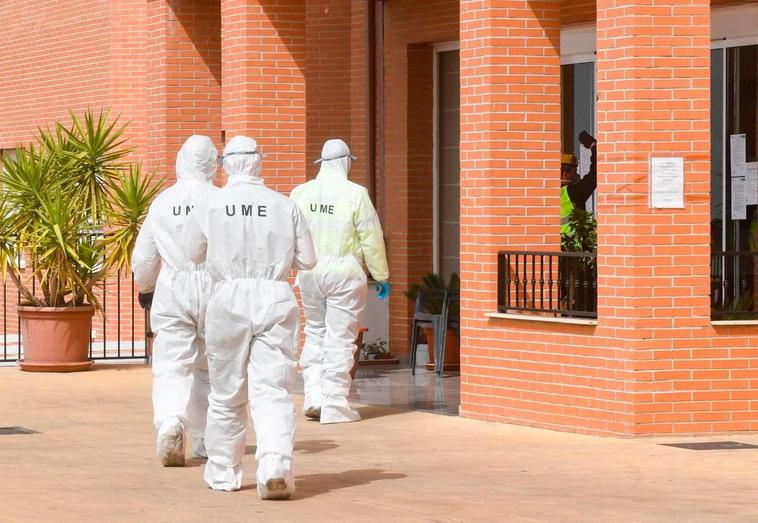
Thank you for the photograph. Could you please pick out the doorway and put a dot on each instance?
(447, 114)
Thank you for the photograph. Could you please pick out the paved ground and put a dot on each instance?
(93, 461)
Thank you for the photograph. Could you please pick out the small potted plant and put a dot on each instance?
(70, 212)
(452, 343)
(376, 350)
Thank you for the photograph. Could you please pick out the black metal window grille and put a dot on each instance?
(559, 284)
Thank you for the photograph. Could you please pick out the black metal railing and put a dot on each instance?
(119, 332)
(734, 285)
(560, 284)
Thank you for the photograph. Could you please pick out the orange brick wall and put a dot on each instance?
(654, 265)
(411, 28)
(584, 11)
(557, 376)
(336, 80)
(156, 63)
(263, 78)
(53, 59)
(654, 364)
(184, 51)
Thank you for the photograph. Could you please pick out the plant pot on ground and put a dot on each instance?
(452, 359)
(70, 212)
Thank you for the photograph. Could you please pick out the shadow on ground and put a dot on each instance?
(309, 446)
(379, 411)
(310, 485)
(127, 365)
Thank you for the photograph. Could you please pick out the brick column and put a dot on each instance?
(185, 77)
(510, 154)
(263, 71)
(653, 70)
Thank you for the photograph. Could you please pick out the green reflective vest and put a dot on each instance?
(566, 207)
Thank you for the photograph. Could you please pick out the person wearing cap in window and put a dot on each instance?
(576, 191)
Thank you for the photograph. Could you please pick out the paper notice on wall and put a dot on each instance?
(751, 183)
(585, 159)
(737, 147)
(667, 183)
(738, 198)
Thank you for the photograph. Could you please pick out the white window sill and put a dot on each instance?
(718, 323)
(543, 319)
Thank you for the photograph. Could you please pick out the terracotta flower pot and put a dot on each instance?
(452, 350)
(56, 339)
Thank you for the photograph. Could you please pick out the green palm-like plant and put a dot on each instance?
(71, 208)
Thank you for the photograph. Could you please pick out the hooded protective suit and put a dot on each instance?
(250, 237)
(182, 289)
(346, 230)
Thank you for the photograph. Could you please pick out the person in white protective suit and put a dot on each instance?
(181, 292)
(250, 237)
(346, 230)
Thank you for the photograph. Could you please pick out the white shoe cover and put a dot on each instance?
(171, 443)
(274, 477)
(338, 410)
(219, 477)
(198, 448)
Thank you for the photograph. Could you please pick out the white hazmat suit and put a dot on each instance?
(250, 237)
(346, 230)
(182, 289)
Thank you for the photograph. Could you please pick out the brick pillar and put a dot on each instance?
(653, 70)
(510, 152)
(328, 68)
(263, 70)
(185, 77)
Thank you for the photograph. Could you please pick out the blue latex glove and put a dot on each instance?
(382, 289)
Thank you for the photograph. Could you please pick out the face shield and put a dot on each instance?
(242, 157)
(196, 159)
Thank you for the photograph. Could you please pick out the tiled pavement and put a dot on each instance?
(93, 461)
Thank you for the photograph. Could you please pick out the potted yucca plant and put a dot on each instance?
(70, 212)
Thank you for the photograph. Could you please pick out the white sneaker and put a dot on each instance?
(198, 449)
(274, 477)
(171, 443)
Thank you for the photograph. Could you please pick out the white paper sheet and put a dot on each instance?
(751, 183)
(737, 147)
(667, 183)
(739, 211)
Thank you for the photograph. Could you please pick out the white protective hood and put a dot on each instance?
(242, 159)
(196, 159)
(335, 158)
